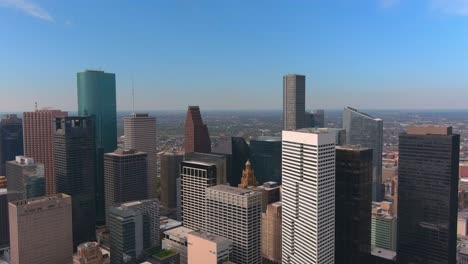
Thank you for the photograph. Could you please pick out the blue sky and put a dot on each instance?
(232, 54)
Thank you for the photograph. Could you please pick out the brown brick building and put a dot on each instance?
(197, 138)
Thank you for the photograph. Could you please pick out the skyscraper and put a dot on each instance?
(271, 233)
(75, 172)
(11, 139)
(195, 177)
(308, 197)
(38, 134)
(235, 214)
(237, 152)
(4, 226)
(427, 195)
(293, 101)
(97, 96)
(221, 161)
(353, 204)
(26, 177)
(126, 177)
(41, 230)
(140, 134)
(265, 156)
(134, 228)
(367, 131)
(170, 171)
(197, 138)
(319, 118)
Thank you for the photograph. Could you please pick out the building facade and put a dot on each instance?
(294, 101)
(367, 131)
(308, 197)
(353, 204)
(4, 224)
(383, 229)
(427, 195)
(170, 172)
(197, 138)
(97, 97)
(176, 240)
(126, 177)
(41, 230)
(140, 134)
(11, 139)
(89, 253)
(38, 135)
(271, 233)
(265, 156)
(26, 177)
(207, 248)
(237, 152)
(235, 214)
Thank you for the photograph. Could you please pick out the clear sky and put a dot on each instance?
(232, 54)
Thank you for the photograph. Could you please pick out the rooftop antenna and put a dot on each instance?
(133, 97)
(35, 106)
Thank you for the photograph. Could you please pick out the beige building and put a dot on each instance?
(462, 224)
(207, 248)
(271, 233)
(176, 240)
(41, 230)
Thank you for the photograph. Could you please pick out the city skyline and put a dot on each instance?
(376, 64)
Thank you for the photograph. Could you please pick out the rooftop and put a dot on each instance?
(383, 253)
(180, 232)
(362, 113)
(268, 139)
(352, 147)
(429, 130)
(203, 163)
(313, 130)
(208, 236)
(123, 152)
(233, 190)
(165, 253)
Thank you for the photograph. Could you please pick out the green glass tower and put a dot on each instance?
(97, 97)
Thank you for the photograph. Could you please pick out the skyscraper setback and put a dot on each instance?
(427, 195)
(11, 139)
(38, 131)
(75, 172)
(97, 96)
(293, 102)
(197, 138)
(140, 134)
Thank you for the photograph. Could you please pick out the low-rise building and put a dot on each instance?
(176, 240)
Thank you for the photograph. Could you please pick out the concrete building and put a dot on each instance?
(125, 177)
(41, 230)
(38, 136)
(265, 156)
(235, 214)
(294, 101)
(176, 240)
(462, 257)
(170, 172)
(428, 195)
(271, 193)
(462, 224)
(353, 204)
(207, 248)
(134, 228)
(195, 178)
(383, 226)
(197, 137)
(89, 253)
(271, 233)
(4, 225)
(367, 131)
(220, 160)
(75, 172)
(140, 134)
(97, 97)
(26, 177)
(307, 178)
(236, 151)
(11, 139)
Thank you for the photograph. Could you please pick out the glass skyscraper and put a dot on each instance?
(11, 140)
(367, 131)
(265, 156)
(97, 97)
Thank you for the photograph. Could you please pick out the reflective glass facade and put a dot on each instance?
(265, 156)
(11, 140)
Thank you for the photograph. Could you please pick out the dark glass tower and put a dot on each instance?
(265, 156)
(237, 153)
(294, 115)
(75, 172)
(170, 172)
(353, 204)
(97, 97)
(427, 196)
(11, 140)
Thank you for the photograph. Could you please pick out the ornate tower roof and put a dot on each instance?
(248, 177)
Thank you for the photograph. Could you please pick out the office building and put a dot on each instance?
(195, 178)
(462, 224)
(75, 172)
(140, 134)
(97, 97)
(41, 230)
(237, 152)
(308, 227)
(11, 139)
(271, 193)
(367, 131)
(126, 176)
(207, 248)
(134, 228)
(176, 240)
(265, 156)
(221, 161)
(89, 253)
(319, 118)
(197, 138)
(271, 233)
(427, 195)
(383, 226)
(170, 172)
(38, 135)
(235, 214)
(25, 177)
(340, 135)
(4, 225)
(293, 102)
(353, 204)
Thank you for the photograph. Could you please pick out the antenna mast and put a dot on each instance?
(133, 97)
